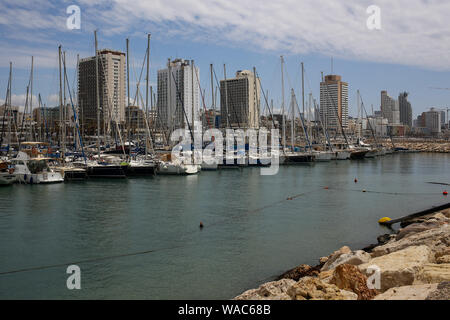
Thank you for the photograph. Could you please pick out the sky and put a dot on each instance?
(409, 52)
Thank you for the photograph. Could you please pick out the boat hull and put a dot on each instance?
(116, 172)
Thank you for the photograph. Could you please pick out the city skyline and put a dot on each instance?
(370, 73)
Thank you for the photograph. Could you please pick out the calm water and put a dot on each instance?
(252, 233)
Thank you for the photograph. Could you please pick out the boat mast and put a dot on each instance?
(359, 114)
(65, 104)
(193, 110)
(257, 107)
(31, 100)
(98, 95)
(292, 126)
(213, 102)
(146, 93)
(282, 103)
(9, 110)
(60, 106)
(303, 99)
(128, 101)
(226, 94)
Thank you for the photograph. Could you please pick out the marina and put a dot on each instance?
(140, 238)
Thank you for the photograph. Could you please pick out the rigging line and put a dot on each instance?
(182, 105)
(230, 98)
(86, 261)
(140, 78)
(203, 99)
(271, 114)
(270, 205)
(384, 192)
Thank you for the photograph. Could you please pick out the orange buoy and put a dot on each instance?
(326, 188)
(445, 193)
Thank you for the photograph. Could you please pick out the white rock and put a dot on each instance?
(414, 292)
(399, 268)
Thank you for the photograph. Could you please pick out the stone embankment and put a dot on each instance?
(421, 145)
(411, 264)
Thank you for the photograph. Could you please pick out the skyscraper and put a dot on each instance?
(112, 83)
(178, 94)
(405, 109)
(240, 101)
(390, 108)
(433, 121)
(334, 102)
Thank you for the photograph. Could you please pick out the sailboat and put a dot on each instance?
(179, 166)
(31, 167)
(142, 165)
(97, 167)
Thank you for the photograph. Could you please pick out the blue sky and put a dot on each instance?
(409, 53)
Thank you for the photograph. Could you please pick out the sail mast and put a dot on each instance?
(60, 105)
(146, 94)
(282, 103)
(128, 99)
(9, 111)
(98, 95)
(226, 94)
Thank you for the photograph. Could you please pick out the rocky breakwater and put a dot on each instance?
(410, 264)
(422, 145)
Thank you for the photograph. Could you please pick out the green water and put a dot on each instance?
(251, 234)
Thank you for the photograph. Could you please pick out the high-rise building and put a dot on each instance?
(433, 121)
(390, 108)
(240, 101)
(334, 102)
(112, 83)
(178, 94)
(405, 109)
(443, 118)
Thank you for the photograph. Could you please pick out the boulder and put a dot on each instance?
(322, 260)
(275, 290)
(417, 227)
(398, 268)
(309, 288)
(385, 238)
(326, 276)
(414, 292)
(437, 239)
(349, 277)
(446, 213)
(441, 253)
(443, 259)
(441, 216)
(301, 271)
(332, 257)
(442, 292)
(433, 273)
(353, 258)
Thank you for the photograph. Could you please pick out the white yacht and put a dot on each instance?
(34, 170)
(169, 166)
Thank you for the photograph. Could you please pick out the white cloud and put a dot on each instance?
(414, 32)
